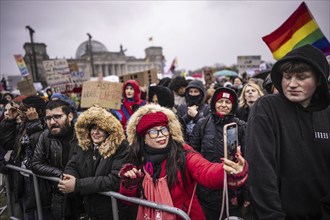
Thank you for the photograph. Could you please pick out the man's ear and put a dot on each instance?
(70, 117)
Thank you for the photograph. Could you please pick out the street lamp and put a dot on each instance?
(91, 52)
(35, 74)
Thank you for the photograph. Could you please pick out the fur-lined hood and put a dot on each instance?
(173, 123)
(106, 121)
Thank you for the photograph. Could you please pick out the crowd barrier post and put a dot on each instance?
(37, 194)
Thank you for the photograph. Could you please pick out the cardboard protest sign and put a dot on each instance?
(103, 93)
(248, 63)
(208, 77)
(57, 74)
(26, 87)
(143, 78)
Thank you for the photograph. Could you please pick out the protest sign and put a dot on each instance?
(26, 87)
(103, 93)
(57, 74)
(143, 78)
(248, 63)
(208, 77)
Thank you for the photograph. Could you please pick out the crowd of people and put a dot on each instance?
(166, 145)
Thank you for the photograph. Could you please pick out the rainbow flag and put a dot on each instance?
(298, 30)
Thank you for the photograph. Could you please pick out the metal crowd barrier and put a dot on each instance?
(114, 196)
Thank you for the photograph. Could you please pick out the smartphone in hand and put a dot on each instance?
(230, 140)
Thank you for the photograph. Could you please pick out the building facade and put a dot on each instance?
(105, 63)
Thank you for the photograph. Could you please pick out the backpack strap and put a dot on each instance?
(192, 198)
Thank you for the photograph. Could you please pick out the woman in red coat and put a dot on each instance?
(130, 103)
(165, 170)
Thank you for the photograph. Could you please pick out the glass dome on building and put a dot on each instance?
(96, 47)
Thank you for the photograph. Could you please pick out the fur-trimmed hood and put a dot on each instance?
(107, 122)
(173, 123)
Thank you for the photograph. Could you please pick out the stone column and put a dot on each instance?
(113, 70)
(106, 72)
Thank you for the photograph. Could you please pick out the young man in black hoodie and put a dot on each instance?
(288, 141)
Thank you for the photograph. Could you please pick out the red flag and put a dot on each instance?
(173, 65)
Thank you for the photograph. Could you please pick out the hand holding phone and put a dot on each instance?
(230, 140)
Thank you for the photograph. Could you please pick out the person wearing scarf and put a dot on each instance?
(207, 138)
(130, 103)
(165, 170)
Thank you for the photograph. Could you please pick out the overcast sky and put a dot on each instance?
(198, 33)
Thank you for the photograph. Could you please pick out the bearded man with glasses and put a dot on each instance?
(56, 146)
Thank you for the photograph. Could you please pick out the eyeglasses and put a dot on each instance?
(55, 117)
(153, 133)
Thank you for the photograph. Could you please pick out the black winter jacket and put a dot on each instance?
(47, 158)
(47, 161)
(101, 177)
(207, 138)
(22, 139)
(203, 111)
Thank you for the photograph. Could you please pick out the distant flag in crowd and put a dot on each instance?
(21, 65)
(298, 30)
(173, 65)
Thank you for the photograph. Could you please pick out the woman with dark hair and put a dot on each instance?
(130, 103)
(95, 166)
(165, 170)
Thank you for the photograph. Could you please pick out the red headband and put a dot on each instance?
(225, 95)
(149, 121)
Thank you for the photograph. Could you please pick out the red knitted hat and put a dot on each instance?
(149, 121)
(224, 94)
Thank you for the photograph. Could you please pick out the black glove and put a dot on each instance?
(3, 168)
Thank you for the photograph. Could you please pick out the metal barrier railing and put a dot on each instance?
(114, 196)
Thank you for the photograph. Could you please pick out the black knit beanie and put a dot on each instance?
(34, 101)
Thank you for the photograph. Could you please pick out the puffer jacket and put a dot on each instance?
(198, 170)
(207, 138)
(97, 170)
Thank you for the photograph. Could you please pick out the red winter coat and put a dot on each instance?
(198, 170)
(128, 106)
